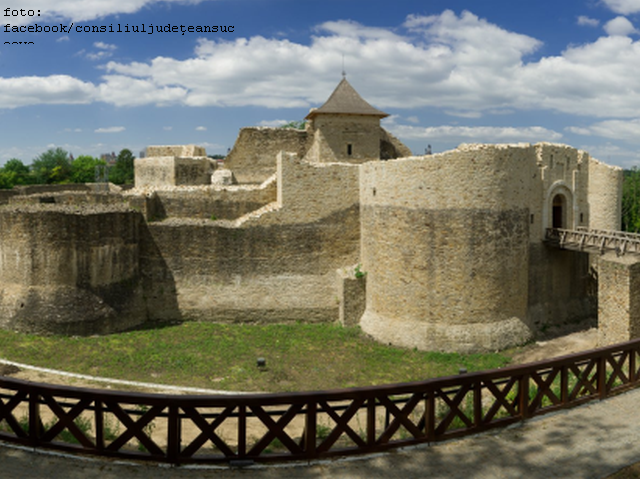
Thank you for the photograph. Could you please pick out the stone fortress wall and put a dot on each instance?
(252, 158)
(70, 271)
(452, 245)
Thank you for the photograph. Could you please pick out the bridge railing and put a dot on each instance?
(582, 239)
(305, 425)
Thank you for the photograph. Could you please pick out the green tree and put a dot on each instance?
(52, 166)
(83, 169)
(7, 179)
(631, 200)
(123, 172)
(14, 172)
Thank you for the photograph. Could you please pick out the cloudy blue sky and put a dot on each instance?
(447, 71)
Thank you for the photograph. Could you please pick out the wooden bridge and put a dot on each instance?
(591, 241)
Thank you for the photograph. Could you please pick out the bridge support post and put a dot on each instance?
(618, 299)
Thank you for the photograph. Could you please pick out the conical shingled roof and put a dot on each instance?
(346, 100)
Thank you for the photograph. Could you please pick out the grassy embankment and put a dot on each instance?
(223, 356)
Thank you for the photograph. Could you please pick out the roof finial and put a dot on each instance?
(344, 74)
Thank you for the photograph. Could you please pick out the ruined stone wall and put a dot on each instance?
(605, 196)
(176, 150)
(67, 272)
(445, 248)
(221, 203)
(391, 147)
(6, 195)
(253, 157)
(163, 171)
(619, 299)
(309, 192)
(42, 189)
(255, 273)
(276, 264)
(69, 198)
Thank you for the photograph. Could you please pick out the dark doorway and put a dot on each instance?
(559, 204)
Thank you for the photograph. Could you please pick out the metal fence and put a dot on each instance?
(305, 425)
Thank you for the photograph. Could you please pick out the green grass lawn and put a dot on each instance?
(223, 356)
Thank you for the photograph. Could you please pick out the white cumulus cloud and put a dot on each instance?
(619, 26)
(625, 7)
(54, 89)
(104, 46)
(628, 130)
(462, 64)
(475, 134)
(587, 21)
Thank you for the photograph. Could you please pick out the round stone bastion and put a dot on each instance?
(445, 245)
(67, 270)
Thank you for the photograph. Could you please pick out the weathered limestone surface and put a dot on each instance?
(352, 294)
(562, 287)
(445, 246)
(205, 202)
(173, 170)
(605, 200)
(618, 299)
(252, 273)
(70, 272)
(253, 156)
(176, 150)
(333, 134)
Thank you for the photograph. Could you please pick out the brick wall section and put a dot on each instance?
(618, 299)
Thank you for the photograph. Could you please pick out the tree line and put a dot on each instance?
(631, 200)
(56, 166)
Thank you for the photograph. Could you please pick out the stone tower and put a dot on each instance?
(346, 128)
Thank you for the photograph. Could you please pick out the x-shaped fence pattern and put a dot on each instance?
(304, 426)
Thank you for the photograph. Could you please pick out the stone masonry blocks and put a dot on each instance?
(618, 299)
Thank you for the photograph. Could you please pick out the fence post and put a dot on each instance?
(477, 403)
(564, 385)
(99, 421)
(174, 434)
(35, 423)
(310, 429)
(430, 415)
(242, 431)
(602, 377)
(371, 421)
(523, 390)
